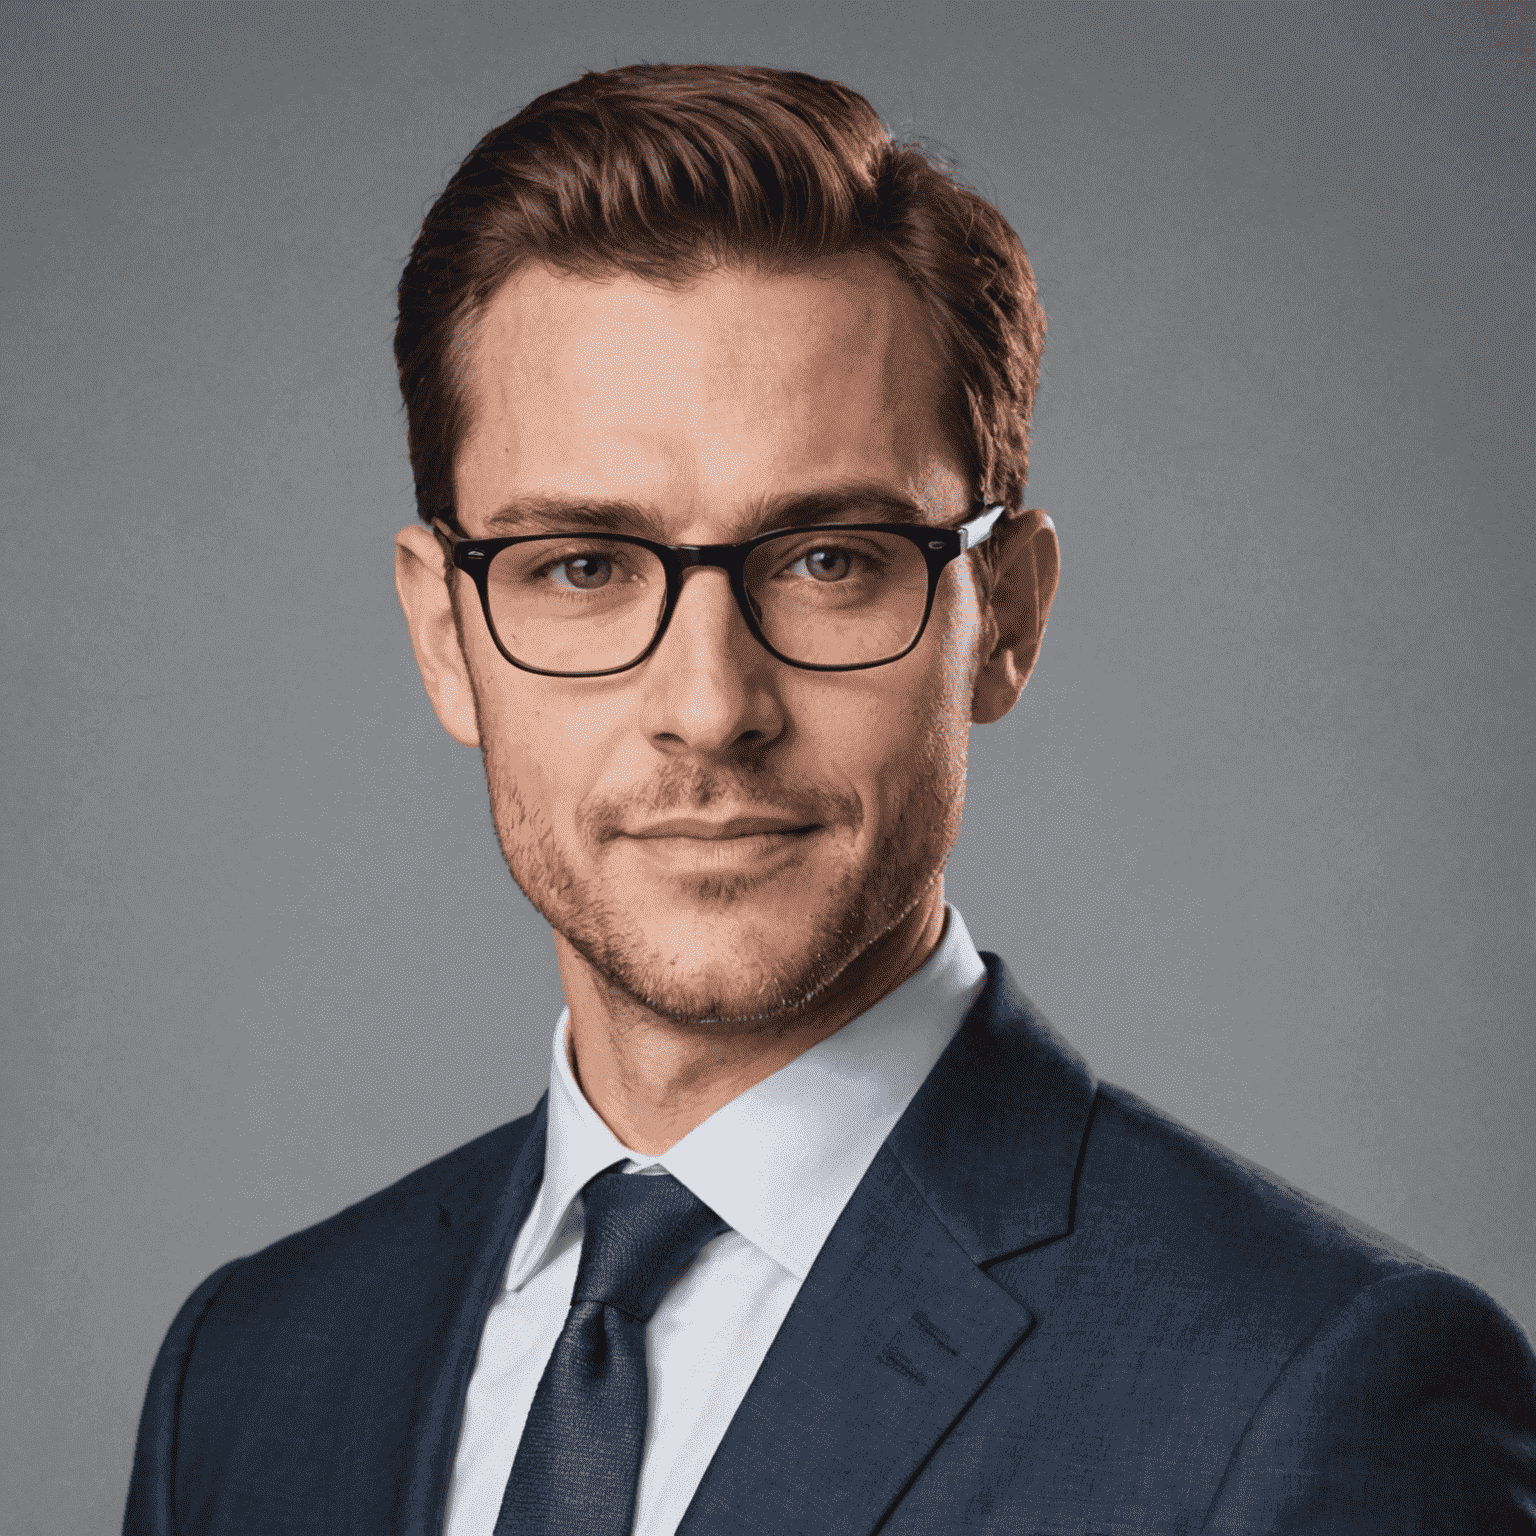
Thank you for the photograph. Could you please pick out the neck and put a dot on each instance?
(653, 1079)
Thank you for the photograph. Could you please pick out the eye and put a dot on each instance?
(582, 573)
(826, 564)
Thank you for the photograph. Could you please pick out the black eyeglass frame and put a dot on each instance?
(939, 546)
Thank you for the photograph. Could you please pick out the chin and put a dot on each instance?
(716, 962)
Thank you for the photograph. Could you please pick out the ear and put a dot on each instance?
(1028, 564)
(422, 576)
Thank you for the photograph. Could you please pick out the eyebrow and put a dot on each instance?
(561, 514)
(852, 501)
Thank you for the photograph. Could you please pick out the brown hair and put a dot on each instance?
(664, 171)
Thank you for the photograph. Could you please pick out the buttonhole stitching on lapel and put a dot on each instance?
(897, 1361)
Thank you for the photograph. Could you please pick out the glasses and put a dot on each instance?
(831, 598)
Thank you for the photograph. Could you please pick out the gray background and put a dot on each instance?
(1259, 838)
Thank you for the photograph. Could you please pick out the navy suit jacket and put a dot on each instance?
(1047, 1309)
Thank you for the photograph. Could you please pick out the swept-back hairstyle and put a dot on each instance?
(665, 171)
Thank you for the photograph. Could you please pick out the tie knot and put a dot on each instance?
(640, 1231)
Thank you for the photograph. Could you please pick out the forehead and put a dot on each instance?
(703, 401)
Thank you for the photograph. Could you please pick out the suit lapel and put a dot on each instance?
(898, 1326)
(476, 1222)
(893, 1333)
(993, 1137)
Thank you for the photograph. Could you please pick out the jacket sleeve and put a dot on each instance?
(151, 1504)
(1412, 1411)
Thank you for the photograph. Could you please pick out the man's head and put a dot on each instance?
(702, 303)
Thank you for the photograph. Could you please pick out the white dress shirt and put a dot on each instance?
(778, 1163)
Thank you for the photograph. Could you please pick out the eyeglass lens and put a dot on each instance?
(581, 603)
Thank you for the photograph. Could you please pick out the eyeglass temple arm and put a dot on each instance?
(447, 538)
(979, 529)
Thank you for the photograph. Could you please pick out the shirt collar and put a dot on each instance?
(780, 1161)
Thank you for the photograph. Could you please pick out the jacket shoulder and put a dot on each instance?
(1206, 1327)
(355, 1234)
(278, 1349)
(1197, 1189)
(1175, 1239)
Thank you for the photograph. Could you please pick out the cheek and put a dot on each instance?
(894, 736)
(958, 631)
(545, 742)
(940, 699)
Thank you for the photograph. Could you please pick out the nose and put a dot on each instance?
(710, 688)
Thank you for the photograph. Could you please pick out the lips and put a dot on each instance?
(721, 831)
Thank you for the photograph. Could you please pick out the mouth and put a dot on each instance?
(701, 830)
(692, 846)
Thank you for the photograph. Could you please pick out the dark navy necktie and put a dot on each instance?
(578, 1462)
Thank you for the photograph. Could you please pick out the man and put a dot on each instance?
(719, 404)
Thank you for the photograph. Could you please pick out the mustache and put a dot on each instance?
(682, 789)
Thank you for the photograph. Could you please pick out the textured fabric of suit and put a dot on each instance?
(1048, 1308)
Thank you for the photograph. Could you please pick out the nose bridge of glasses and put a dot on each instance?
(725, 556)
(703, 557)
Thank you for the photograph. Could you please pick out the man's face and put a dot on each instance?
(718, 833)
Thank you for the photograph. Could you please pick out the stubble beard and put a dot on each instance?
(755, 977)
